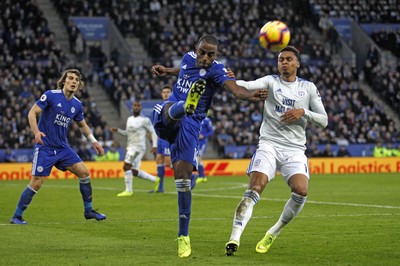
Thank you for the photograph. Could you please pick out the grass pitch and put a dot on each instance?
(347, 220)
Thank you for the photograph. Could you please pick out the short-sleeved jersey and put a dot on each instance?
(206, 130)
(136, 129)
(215, 77)
(282, 97)
(58, 113)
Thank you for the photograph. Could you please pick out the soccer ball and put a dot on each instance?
(274, 36)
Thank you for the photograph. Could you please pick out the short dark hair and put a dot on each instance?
(166, 86)
(208, 38)
(292, 49)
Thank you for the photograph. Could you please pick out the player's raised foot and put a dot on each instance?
(125, 194)
(194, 95)
(265, 243)
(17, 220)
(231, 247)
(184, 248)
(95, 215)
(157, 184)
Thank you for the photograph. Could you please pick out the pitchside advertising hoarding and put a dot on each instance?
(359, 165)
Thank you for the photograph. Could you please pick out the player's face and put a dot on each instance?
(206, 54)
(137, 108)
(165, 93)
(287, 64)
(71, 83)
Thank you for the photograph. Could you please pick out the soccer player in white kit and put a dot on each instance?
(291, 103)
(137, 126)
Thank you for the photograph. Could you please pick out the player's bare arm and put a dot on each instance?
(245, 94)
(84, 128)
(163, 71)
(32, 118)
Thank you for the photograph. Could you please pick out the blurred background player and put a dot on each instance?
(163, 157)
(178, 119)
(57, 109)
(281, 146)
(206, 131)
(137, 126)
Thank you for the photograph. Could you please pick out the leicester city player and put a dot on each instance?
(206, 131)
(178, 120)
(57, 109)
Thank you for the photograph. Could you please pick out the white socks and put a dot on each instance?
(293, 207)
(128, 180)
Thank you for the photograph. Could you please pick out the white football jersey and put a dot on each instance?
(284, 96)
(136, 129)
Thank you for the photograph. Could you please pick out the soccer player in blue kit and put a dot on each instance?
(178, 120)
(57, 109)
(206, 131)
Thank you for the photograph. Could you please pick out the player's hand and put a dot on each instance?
(38, 137)
(114, 129)
(260, 95)
(230, 73)
(159, 70)
(292, 116)
(154, 151)
(97, 147)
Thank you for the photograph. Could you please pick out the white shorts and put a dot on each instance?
(269, 159)
(134, 158)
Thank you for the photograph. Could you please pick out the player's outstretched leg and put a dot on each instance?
(194, 95)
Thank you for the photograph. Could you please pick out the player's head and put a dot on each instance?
(288, 61)
(136, 107)
(166, 91)
(206, 50)
(71, 79)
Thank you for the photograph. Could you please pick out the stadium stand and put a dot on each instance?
(168, 28)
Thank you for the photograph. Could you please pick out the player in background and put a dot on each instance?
(137, 126)
(57, 109)
(178, 120)
(292, 102)
(163, 157)
(206, 131)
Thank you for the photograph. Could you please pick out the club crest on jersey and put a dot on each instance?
(301, 94)
(43, 98)
(202, 72)
(72, 109)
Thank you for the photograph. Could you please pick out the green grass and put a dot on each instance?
(348, 220)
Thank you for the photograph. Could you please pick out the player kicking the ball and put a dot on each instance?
(178, 120)
(281, 145)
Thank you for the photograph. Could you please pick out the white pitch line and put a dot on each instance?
(162, 220)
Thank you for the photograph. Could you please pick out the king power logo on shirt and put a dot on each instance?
(62, 120)
(184, 85)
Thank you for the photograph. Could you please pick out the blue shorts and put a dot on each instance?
(202, 148)
(44, 158)
(183, 138)
(163, 147)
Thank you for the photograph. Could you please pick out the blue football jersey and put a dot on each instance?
(215, 77)
(58, 113)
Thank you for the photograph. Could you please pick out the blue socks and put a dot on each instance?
(86, 191)
(24, 201)
(184, 205)
(201, 170)
(160, 174)
(177, 110)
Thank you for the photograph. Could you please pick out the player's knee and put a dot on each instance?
(302, 191)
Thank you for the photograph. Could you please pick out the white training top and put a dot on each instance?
(284, 96)
(136, 129)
